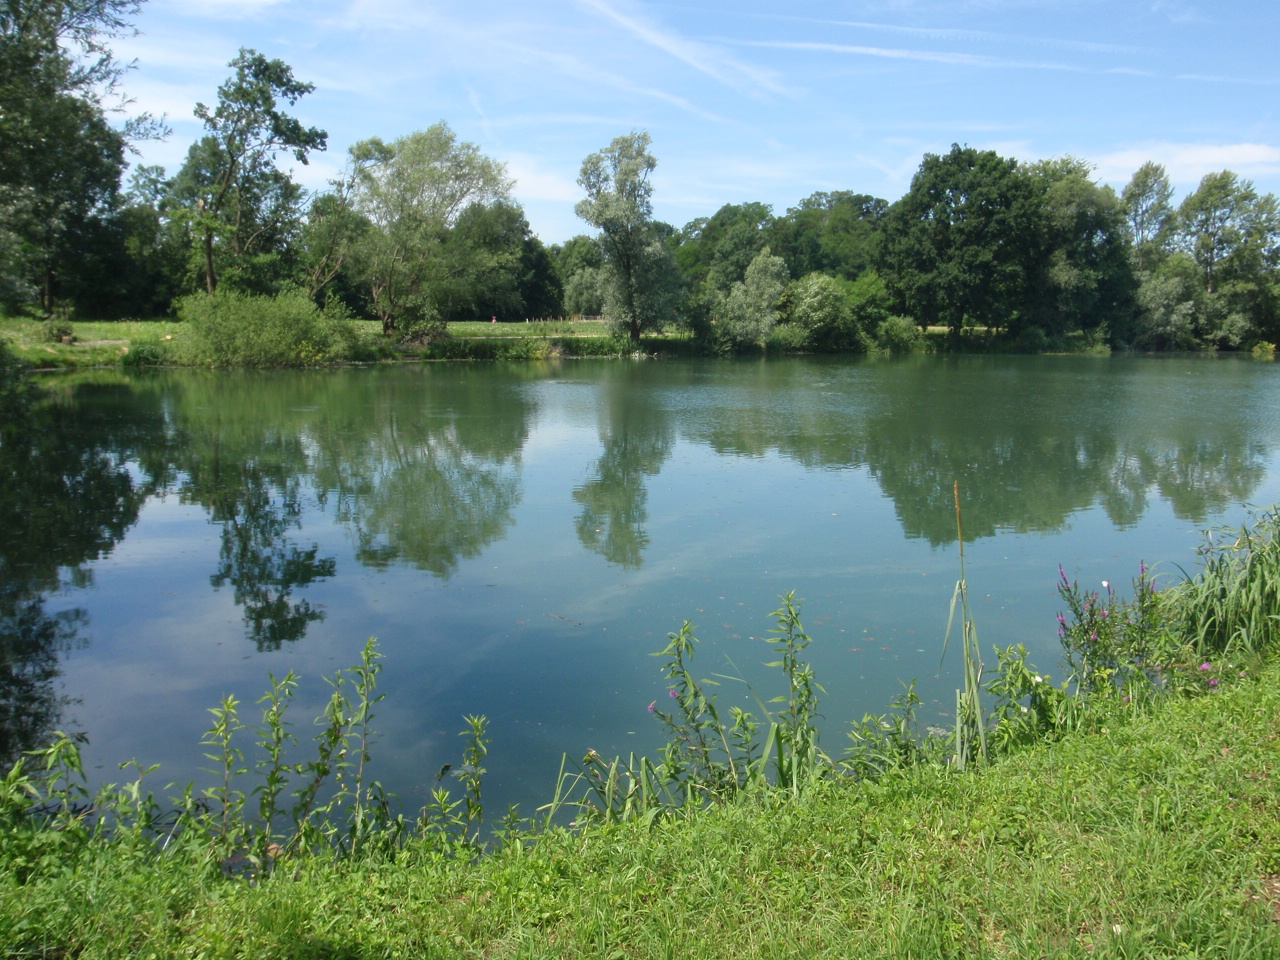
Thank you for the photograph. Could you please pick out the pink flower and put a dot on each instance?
(653, 707)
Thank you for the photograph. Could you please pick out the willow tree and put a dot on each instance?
(411, 192)
(642, 282)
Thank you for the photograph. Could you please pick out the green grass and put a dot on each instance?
(1156, 835)
(96, 344)
(108, 343)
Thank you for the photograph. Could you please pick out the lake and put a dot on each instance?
(521, 538)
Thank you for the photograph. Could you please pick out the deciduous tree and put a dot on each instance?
(642, 280)
(240, 205)
(412, 191)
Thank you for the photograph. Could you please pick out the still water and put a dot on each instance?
(521, 538)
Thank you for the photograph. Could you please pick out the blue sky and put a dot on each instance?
(746, 100)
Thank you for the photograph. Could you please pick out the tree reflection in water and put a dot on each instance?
(67, 498)
(638, 435)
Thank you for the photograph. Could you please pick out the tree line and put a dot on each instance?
(424, 229)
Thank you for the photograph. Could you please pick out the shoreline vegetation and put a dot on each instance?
(1129, 810)
(170, 342)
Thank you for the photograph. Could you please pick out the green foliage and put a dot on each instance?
(641, 281)
(708, 757)
(838, 316)
(899, 335)
(956, 244)
(1232, 606)
(1149, 214)
(289, 330)
(241, 210)
(749, 312)
(57, 330)
(411, 193)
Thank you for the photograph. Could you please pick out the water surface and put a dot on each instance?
(521, 538)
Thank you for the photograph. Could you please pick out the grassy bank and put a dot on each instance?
(79, 343)
(1154, 834)
(83, 343)
(1131, 812)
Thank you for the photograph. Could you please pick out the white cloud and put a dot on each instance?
(1186, 163)
(533, 183)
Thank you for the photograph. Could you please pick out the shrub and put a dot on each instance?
(836, 315)
(144, 355)
(899, 335)
(56, 330)
(230, 329)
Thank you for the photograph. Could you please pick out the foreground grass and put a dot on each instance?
(1154, 835)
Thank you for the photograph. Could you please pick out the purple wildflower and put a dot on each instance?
(1213, 683)
(1062, 620)
(1062, 573)
(673, 695)
(1206, 666)
(1104, 613)
(1142, 568)
(653, 707)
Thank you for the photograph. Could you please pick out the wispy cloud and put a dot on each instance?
(228, 9)
(925, 56)
(956, 33)
(1247, 81)
(703, 57)
(1186, 163)
(577, 69)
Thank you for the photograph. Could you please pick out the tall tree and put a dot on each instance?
(1079, 276)
(412, 192)
(642, 280)
(1149, 213)
(836, 233)
(1214, 221)
(241, 205)
(957, 243)
(749, 311)
(60, 160)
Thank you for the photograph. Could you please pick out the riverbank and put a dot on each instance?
(158, 341)
(1154, 834)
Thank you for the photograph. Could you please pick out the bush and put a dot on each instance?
(836, 315)
(57, 330)
(230, 329)
(899, 335)
(144, 355)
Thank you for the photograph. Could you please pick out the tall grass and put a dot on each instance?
(1233, 605)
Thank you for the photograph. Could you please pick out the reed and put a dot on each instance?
(969, 739)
